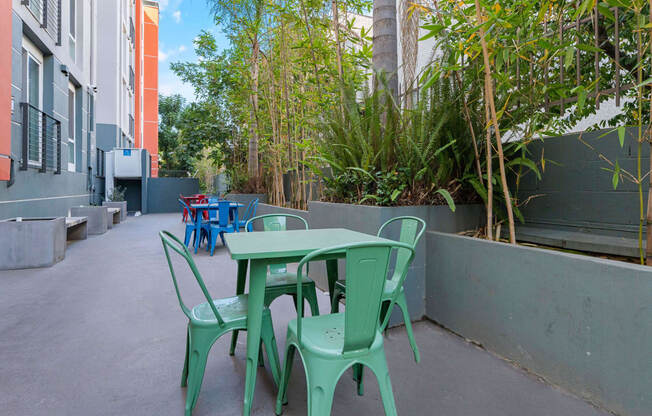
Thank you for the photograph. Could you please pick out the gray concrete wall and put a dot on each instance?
(581, 322)
(107, 136)
(264, 209)
(368, 219)
(38, 194)
(163, 193)
(576, 192)
(246, 198)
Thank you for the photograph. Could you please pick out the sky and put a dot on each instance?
(180, 21)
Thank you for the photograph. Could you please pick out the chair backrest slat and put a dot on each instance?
(171, 242)
(366, 272)
(276, 222)
(409, 234)
(188, 209)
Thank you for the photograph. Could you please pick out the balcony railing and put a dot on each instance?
(132, 32)
(48, 14)
(41, 140)
(132, 79)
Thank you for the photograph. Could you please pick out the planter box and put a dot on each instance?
(246, 198)
(32, 242)
(264, 209)
(122, 205)
(583, 323)
(97, 218)
(368, 219)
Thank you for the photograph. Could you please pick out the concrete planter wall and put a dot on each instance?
(583, 323)
(368, 219)
(264, 209)
(32, 242)
(97, 218)
(246, 198)
(118, 204)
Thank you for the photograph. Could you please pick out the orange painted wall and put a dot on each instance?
(138, 65)
(5, 88)
(150, 87)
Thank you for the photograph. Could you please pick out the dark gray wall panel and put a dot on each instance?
(163, 193)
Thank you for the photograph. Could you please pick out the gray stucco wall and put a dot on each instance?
(576, 192)
(368, 219)
(46, 194)
(581, 322)
(163, 193)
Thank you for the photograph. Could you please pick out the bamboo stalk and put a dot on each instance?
(494, 119)
(648, 230)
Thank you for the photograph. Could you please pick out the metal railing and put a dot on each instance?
(48, 14)
(41, 140)
(132, 79)
(132, 32)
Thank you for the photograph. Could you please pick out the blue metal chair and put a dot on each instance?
(249, 213)
(221, 225)
(192, 226)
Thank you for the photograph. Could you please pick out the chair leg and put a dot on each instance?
(234, 342)
(310, 295)
(322, 378)
(222, 238)
(269, 340)
(402, 304)
(186, 239)
(281, 397)
(358, 376)
(213, 241)
(335, 304)
(379, 367)
(184, 373)
(199, 348)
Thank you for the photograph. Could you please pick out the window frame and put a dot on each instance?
(35, 55)
(72, 121)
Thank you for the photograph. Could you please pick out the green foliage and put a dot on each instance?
(118, 194)
(384, 156)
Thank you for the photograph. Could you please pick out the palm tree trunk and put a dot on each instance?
(384, 54)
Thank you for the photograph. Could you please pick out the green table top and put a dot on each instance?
(296, 243)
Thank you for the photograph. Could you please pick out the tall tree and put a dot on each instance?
(244, 18)
(384, 55)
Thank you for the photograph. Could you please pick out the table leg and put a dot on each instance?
(331, 271)
(237, 220)
(239, 290)
(258, 274)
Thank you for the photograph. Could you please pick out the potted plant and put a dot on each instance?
(116, 199)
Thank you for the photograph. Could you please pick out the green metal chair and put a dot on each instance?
(209, 321)
(410, 234)
(279, 281)
(330, 344)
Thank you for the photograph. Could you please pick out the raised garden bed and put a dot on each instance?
(581, 322)
(32, 242)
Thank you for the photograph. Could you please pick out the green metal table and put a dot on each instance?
(259, 250)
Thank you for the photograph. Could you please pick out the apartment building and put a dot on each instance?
(48, 50)
(127, 106)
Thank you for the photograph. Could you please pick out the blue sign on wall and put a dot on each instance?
(126, 152)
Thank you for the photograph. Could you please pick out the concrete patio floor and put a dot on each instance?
(101, 333)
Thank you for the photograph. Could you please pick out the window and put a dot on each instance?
(72, 44)
(71, 127)
(34, 94)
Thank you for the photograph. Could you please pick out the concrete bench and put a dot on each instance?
(112, 216)
(77, 228)
(32, 242)
(97, 218)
